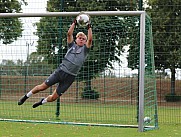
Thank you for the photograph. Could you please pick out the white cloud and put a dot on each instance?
(19, 49)
(35, 6)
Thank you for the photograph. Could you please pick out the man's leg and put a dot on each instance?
(50, 98)
(35, 90)
(61, 88)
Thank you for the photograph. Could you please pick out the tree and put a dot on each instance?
(35, 63)
(106, 44)
(11, 27)
(166, 20)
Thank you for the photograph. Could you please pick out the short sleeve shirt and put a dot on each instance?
(74, 58)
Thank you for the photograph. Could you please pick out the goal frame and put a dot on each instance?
(142, 15)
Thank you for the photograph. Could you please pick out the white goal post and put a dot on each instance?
(142, 15)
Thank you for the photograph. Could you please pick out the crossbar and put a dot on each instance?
(57, 14)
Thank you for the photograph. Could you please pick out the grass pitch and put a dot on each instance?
(18, 129)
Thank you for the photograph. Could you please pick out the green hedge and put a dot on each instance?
(172, 98)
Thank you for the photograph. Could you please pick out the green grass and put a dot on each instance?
(91, 113)
(18, 129)
(86, 113)
(71, 112)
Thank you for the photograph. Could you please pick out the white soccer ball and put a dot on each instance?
(147, 119)
(83, 19)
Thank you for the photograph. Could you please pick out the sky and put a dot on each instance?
(18, 49)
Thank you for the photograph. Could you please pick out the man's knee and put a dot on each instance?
(52, 98)
(41, 87)
(55, 95)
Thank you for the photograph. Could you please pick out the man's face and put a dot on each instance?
(81, 40)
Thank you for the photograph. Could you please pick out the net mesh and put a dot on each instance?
(106, 89)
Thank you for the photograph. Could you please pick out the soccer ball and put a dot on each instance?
(147, 119)
(83, 19)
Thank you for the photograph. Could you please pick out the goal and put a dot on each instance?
(115, 87)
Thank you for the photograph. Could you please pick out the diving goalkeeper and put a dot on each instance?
(65, 74)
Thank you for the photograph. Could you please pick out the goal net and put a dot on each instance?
(115, 87)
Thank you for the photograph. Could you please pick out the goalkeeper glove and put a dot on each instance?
(89, 25)
(75, 22)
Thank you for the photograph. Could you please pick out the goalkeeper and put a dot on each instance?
(65, 74)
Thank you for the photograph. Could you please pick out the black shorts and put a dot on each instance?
(63, 79)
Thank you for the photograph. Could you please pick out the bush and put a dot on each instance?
(172, 98)
(92, 94)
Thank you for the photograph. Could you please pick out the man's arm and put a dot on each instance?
(70, 32)
(89, 36)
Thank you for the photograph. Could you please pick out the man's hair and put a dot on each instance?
(81, 34)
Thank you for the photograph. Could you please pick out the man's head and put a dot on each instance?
(81, 39)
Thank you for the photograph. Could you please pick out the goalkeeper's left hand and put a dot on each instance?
(89, 25)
